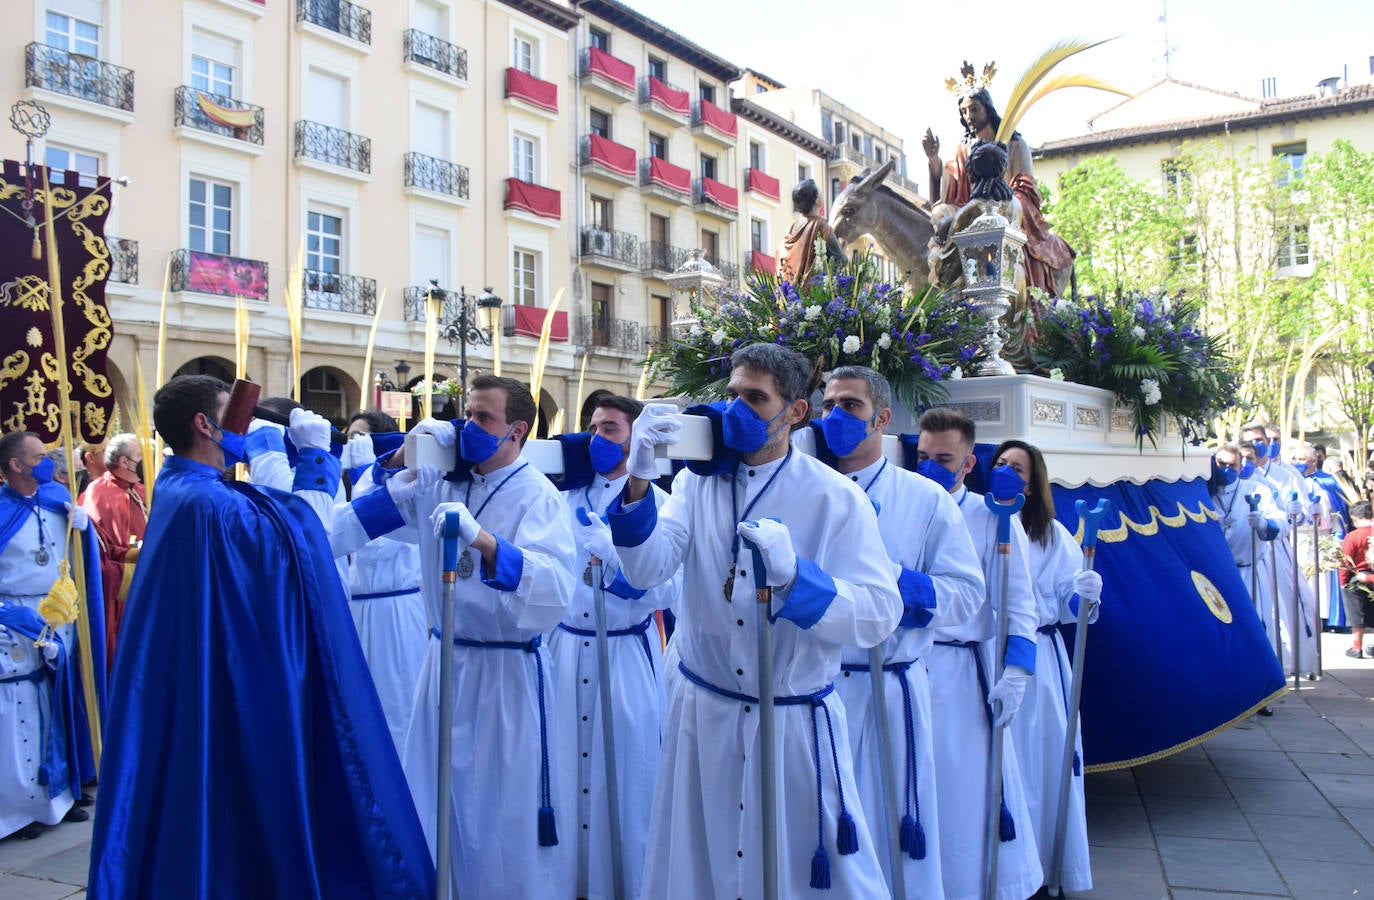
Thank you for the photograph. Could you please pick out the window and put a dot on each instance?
(322, 392)
(1293, 247)
(878, 154)
(867, 147)
(658, 69)
(326, 99)
(710, 246)
(429, 131)
(707, 92)
(1290, 159)
(599, 123)
(429, 18)
(523, 273)
(856, 141)
(658, 229)
(834, 188)
(758, 235)
(522, 55)
(323, 251)
(839, 133)
(658, 146)
(213, 63)
(602, 219)
(601, 314)
(1178, 180)
(1184, 256)
(599, 39)
(760, 89)
(522, 158)
(429, 255)
(72, 34)
(827, 126)
(60, 159)
(210, 215)
(803, 171)
(756, 155)
(661, 313)
(708, 166)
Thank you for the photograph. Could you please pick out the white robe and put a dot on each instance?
(705, 836)
(963, 739)
(636, 662)
(1283, 479)
(922, 530)
(1250, 553)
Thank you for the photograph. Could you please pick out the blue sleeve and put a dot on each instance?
(1270, 531)
(632, 527)
(377, 513)
(1020, 652)
(316, 470)
(264, 440)
(623, 589)
(918, 596)
(811, 595)
(510, 562)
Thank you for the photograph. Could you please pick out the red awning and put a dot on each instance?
(601, 63)
(543, 94)
(529, 321)
(670, 176)
(675, 101)
(762, 183)
(762, 262)
(616, 157)
(719, 194)
(719, 119)
(533, 198)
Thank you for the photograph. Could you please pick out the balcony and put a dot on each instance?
(712, 122)
(604, 158)
(218, 115)
(611, 77)
(531, 93)
(756, 181)
(123, 259)
(759, 261)
(533, 199)
(658, 335)
(73, 75)
(847, 154)
(339, 293)
(610, 334)
(432, 54)
(661, 258)
(478, 333)
(436, 178)
(728, 269)
(663, 100)
(663, 179)
(528, 321)
(612, 249)
(219, 275)
(333, 146)
(715, 199)
(338, 17)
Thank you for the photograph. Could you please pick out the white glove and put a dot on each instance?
(78, 519)
(443, 432)
(1295, 508)
(596, 537)
(255, 424)
(468, 529)
(1087, 584)
(657, 424)
(774, 543)
(1006, 695)
(309, 431)
(358, 452)
(405, 484)
(1256, 519)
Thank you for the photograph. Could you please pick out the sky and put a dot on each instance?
(888, 59)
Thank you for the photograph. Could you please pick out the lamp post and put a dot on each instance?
(990, 248)
(461, 330)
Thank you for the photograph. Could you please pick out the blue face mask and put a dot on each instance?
(1227, 476)
(1247, 469)
(938, 473)
(477, 446)
(844, 432)
(1274, 449)
(745, 430)
(42, 473)
(1261, 450)
(232, 444)
(606, 455)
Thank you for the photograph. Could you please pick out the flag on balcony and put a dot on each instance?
(670, 176)
(533, 198)
(28, 380)
(669, 98)
(523, 86)
(761, 183)
(760, 261)
(224, 115)
(616, 157)
(717, 118)
(529, 322)
(599, 62)
(719, 194)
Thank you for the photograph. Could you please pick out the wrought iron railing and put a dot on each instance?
(340, 293)
(614, 334)
(617, 246)
(436, 53)
(189, 111)
(334, 146)
(438, 175)
(726, 268)
(75, 75)
(859, 158)
(339, 16)
(658, 256)
(218, 274)
(123, 259)
(450, 319)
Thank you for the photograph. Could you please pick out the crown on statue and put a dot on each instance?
(969, 81)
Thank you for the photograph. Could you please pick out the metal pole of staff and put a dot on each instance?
(1317, 583)
(1298, 622)
(1003, 512)
(1091, 518)
(1274, 583)
(1253, 501)
(443, 827)
(888, 777)
(763, 596)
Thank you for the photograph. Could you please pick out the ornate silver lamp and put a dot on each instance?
(990, 248)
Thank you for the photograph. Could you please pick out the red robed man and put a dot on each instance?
(119, 510)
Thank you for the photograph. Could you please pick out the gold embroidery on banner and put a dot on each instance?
(26, 292)
(14, 365)
(1216, 603)
(1121, 532)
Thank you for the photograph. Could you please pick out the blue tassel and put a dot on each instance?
(1006, 828)
(1077, 766)
(847, 838)
(820, 870)
(548, 834)
(907, 836)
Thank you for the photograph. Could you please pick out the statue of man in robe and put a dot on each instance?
(797, 255)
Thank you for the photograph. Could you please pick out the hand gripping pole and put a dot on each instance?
(443, 834)
(763, 595)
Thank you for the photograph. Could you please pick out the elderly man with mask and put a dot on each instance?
(119, 511)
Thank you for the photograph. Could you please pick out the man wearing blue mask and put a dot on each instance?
(636, 662)
(246, 752)
(965, 702)
(833, 587)
(1232, 483)
(941, 583)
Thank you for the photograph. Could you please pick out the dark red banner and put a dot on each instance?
(610, 68)
(670, 176)
(669, 98)
(761, 183)
(533, 198)
(717, 118)
(529, 321)
(523, 86)
(616, 157)
(720, 194)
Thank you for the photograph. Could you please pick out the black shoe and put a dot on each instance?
(1266, 710)
(29, 831)
(76, 814)
(1369, 652)
(1355, 653)
(86, 799)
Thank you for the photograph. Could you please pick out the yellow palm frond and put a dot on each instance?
(295, 283)
(1075, 79)
(162, 325)
(541, 354)
(577, 400)
(1020, 99)
(366, 401)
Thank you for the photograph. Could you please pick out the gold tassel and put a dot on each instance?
(36, 251)
(61, 604)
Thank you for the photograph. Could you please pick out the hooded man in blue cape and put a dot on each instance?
(246, 753)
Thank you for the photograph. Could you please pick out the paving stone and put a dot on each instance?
(1310, 735)
(1193, 756)
(1118, 825)
(1216, 895)
(1361, 818)
(1310, 837)
(1293, 798)
(1356, 763)
(69, 866)
(16, 854)
(1248, 735)
(1312, 880)
(1116, 786)
(1196, 817)
(1232, 763)
(18, 887)
(1163, 779)
(1125, 873)
(1218, 865)
(1345, 790)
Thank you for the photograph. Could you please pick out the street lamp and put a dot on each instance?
(462, 330)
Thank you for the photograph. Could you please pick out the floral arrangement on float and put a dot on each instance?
(447, 387)
(1149, 350)
(842, 315)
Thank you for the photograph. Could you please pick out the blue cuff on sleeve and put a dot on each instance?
(316, 470)
(1269, 532)
(510, 562)
(623, 589)
(1020, 652)
(811, 595)
(264, 440)
(918, 596)
(630, 528)
(377, 513)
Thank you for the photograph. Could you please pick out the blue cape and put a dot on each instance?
(246, 753)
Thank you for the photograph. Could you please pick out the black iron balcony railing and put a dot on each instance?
(123, 259)
(617, 246)
(339, 16)
(728, 269)
(657, 335)
(659, 256)
(438, 175)
(334, 146)
(436, 53)
(75, 75)
(613, 334)
(449, 315)
(340, 293)
(215, 273)
(217, 114)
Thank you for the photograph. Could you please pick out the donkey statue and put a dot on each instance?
(901, 228)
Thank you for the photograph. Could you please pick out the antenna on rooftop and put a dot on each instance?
(1168, 47)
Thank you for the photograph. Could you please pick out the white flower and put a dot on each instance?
(719, 337)
(1137, 332)
(851, 344)
(1150, 388)
(884, 341)
(1056, 374)
(956, 373)
(813, 312)
(697, 331)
